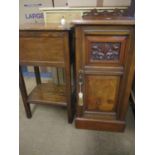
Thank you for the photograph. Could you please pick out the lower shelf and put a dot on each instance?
(48, 93)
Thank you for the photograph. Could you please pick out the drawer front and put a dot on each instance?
(36, 47)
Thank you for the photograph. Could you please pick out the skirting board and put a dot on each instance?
(92, 124)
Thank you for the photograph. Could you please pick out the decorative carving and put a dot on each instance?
(106, 14)
(105, 51)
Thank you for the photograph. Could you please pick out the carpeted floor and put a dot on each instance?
(48, 133)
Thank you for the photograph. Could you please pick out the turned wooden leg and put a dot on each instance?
(37, 75)
(69, 96)
(57, 72)
(24, 94)
(63, 76)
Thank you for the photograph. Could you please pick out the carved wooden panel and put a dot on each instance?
(106, 14)
(105, 51)
(101, 92)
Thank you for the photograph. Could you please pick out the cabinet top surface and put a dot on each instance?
(67, 27)
(42, 26)
(105, 22)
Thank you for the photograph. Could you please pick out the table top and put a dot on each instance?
(42, 26)
(67, 27)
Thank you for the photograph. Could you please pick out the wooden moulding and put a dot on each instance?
(48, 93)
(106, 14)
(101, 125)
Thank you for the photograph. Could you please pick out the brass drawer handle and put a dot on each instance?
(80, 94)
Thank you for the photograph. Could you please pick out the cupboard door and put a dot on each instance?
(103, 58)
(101, 93)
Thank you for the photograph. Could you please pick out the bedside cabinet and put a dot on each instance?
(46, 45)
(104, 72)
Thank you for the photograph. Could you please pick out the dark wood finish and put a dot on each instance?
(37, 74)
(132, 101)
(47, 45)
(106, 81)
(132, 96)
(106, 14)
(68, 78)
(127, 78)
(104, 49)
(24, 93)
(57, 73)
(114, 22)
(97, 124)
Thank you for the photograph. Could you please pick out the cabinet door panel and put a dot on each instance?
(101, 93)
(101, 50)
(103, 58)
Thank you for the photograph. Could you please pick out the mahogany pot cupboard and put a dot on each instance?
(102, 55)
(104, 71)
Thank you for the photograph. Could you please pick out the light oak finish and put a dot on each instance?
(48, 93)
(101, 93)
(48, 26)
(36, 48)
(46, 45)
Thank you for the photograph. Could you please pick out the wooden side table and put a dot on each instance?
(46, 45)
